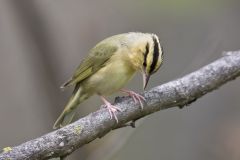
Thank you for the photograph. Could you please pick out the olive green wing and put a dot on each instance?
(98, 56)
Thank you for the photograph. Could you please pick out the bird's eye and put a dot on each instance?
(144, 64)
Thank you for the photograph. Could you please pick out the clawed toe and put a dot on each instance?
(111, 109)
(136, 97)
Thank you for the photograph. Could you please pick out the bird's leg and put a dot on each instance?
(111, 109)
(135, 96)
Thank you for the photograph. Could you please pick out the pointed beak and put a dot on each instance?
(145, 80)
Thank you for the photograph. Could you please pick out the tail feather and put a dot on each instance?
(64, 119)
(69, 111)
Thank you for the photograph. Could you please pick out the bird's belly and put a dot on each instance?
(110, 79)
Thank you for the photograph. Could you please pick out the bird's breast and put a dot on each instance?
(110, 78)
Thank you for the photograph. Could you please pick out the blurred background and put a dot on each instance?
(43, 41)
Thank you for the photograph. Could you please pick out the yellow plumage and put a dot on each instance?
(109, 66)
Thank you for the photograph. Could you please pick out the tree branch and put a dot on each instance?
(180, 92)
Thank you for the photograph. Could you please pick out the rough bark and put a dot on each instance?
(180, 92)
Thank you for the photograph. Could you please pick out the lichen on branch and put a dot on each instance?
(180, 92)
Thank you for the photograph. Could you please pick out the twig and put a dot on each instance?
(180, 92)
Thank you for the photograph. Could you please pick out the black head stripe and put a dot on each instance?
(145, 55)
(155, 55)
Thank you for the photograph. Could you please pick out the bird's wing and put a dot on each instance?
(98, 56)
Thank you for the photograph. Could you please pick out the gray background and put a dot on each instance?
(43, 41)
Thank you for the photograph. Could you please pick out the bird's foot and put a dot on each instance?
(111, 109)
(135, 96)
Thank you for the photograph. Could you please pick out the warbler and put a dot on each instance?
(109, 66)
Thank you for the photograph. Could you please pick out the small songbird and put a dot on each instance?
(109, 66)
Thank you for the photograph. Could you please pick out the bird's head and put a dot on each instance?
(152, 58)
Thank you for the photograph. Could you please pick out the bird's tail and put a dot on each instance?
(69, 111)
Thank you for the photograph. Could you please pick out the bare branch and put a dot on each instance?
(180, 92)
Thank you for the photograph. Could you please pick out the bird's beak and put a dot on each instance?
(145, 80)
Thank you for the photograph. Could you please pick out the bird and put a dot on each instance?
(107, 69)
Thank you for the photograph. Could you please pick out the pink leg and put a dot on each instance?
(136, 97)
(111, 109)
